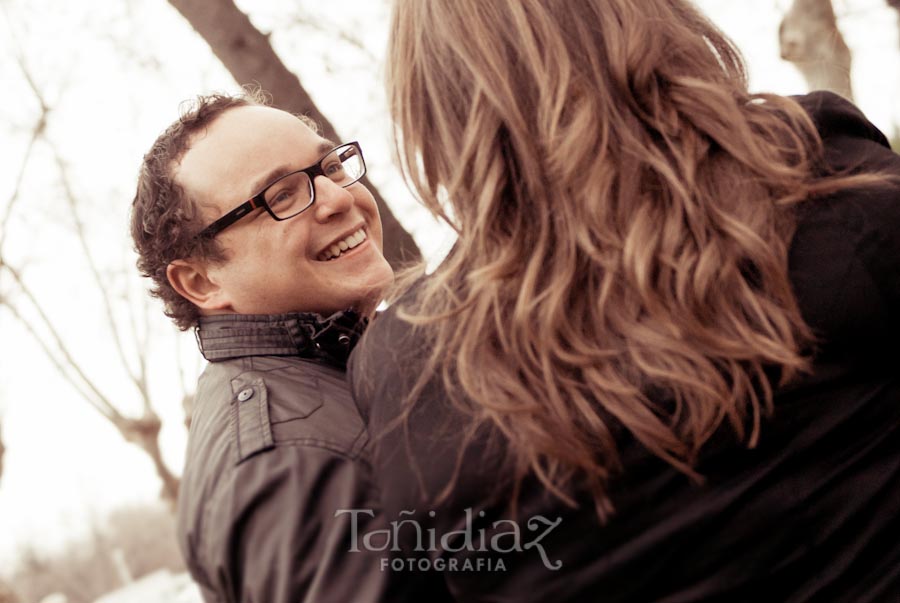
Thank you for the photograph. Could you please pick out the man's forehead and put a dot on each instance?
(240, 147)
(251, 126)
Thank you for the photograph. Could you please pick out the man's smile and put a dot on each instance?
(343, 245)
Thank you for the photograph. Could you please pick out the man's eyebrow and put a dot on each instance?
(283, 170)
(269, 177)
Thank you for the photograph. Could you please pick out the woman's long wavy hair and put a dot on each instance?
(623, 206)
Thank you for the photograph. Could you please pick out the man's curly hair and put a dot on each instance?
(164, 219)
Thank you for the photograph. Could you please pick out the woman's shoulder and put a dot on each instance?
(845, 253)
(391, 323)
(390, 349)
(834, 116)
(852, 144)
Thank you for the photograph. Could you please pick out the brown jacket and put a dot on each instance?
(276, 448)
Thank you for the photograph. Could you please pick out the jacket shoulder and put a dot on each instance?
(267, 401)
(388, 360)
(834, 116)
(250, 414)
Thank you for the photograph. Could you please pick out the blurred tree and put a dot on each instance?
(7, 595)
(2, 450)
(248, 55)
(810, 39)
(26, 307)
(140, 536)
(896, 5)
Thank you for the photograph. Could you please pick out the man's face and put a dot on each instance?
(275, 267)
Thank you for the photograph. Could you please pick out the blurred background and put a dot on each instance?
(95, 384)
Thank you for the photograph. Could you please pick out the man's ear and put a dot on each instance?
(192, 281)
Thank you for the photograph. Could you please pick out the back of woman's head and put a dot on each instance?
(621, 203)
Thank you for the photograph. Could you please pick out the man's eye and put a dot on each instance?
(333, 169)
(281, 196)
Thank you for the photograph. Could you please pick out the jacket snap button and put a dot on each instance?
(245, 395)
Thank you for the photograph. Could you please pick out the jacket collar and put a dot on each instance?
(306, 335)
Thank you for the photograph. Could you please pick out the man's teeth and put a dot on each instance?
(343, 245)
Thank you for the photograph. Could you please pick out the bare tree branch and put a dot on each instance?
(334, 31)
(248, 55)
(142, 431)
(66, 365)
(142, 368)
(26, 157)
(37, 132)
(26, 73)
(138, 378)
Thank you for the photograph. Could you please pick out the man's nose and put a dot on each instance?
(331, 199)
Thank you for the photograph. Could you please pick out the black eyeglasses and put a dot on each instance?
(294, 193)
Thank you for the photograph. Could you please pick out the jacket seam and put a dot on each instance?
(318, 443)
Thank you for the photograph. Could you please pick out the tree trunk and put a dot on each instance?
(895, 4)
(144, 432)
(250, 58)
(810, 39)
